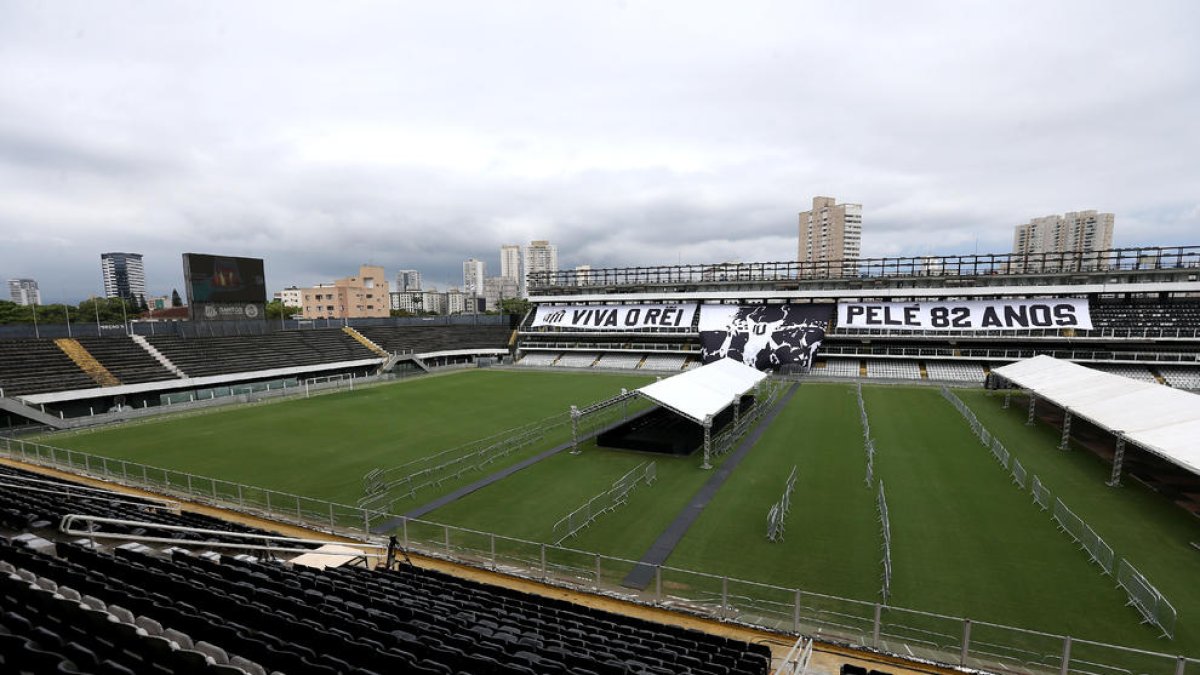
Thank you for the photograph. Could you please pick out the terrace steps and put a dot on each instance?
(365, 341)
(86, 362)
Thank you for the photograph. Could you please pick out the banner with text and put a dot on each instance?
(615, 317)
(972, 315)
(763, 336)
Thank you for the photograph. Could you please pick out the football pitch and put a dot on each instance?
(966, 541)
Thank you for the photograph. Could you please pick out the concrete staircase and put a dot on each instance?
(366, 342)
(159, 356)
(86, 362)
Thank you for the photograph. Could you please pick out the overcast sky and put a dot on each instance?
(323, 135)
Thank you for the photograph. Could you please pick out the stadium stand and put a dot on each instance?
(133, 612)
(34, 501)
(839, 368)
(200, 356)
(425, 339)
(1181, 378)
(664, 362)
(623, 360)
(1132, 372)
(1161, 315)
(577, 360)
(893, 369)
(539, 359)
(126, 359)
(955, 371)
(37, 366)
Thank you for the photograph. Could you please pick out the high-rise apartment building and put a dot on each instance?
(1079, 232)
(510, 262)
(496, 289)
(540, 256)
(408, 280)
(473, 276)
(365, 295)
(124, 275)
(24, 292)
(830, 232)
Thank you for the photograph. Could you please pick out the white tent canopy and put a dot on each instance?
(705, 391)
(1162, 420)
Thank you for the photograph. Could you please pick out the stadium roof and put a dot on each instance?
(1162, 420)
(705, 391)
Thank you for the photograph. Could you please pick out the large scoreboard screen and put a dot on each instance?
(224, 288)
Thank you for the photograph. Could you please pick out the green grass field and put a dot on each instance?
(966, 540)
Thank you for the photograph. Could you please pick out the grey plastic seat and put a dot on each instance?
(182, 640)
(94, 602)
(213, 652)
(249, 667)
(69, 593)
(149, 625)
(121, 614)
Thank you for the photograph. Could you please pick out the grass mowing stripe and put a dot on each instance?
(321, 447)
(1139, 524)
(966, 542)
(832, 542)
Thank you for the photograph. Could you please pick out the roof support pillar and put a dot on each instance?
(1032, 409)
(574, 430)
(1118, 460)
(1007, 398)
(1065, 443)
(707, 442)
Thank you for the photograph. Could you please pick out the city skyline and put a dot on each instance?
(680, 146)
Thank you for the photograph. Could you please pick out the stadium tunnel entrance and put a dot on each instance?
(663, 431)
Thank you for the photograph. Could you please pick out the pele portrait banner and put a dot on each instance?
(763, 336)
(973, 315)
(615, 317)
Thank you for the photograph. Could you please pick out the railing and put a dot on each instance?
(1100, 552)
(609, 500)
(1145, 597)
(903, 632)
(1107, 356)
(1153, 606)
(1095, 333)
(985, 265)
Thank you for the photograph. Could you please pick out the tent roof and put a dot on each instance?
(704, 391)
(1162, 420)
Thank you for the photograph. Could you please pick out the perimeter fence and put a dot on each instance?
(777, 514)
(949, 640)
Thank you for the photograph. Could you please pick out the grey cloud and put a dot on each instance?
(323, 136)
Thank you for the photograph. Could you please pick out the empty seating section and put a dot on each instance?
(126, 359)
(622, 360)
(148, 614)
(955, 371)
(1133, 372)
(1139, 315)
(893, 370)
(538, 359)
(664, 362)
(838, 368)
(38, 366)
(425, 339)
(33, 501)
(1181, 378)
(577, 360)
(201, 356)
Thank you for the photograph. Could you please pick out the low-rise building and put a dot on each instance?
(362, 296)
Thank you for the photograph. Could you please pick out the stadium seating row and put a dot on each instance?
(623, 360)
(143, 613)
(39, 366)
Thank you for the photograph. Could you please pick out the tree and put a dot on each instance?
(176, 301)
(277, 310)
(518, 306)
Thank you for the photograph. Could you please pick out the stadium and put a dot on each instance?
(935, 464)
